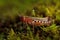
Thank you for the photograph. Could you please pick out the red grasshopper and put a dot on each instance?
(36, 21)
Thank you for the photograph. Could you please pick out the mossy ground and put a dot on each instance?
(10, 9)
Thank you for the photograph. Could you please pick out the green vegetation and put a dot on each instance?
(9, 9)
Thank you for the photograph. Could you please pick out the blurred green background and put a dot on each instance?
(25, 7)
(13, 7)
